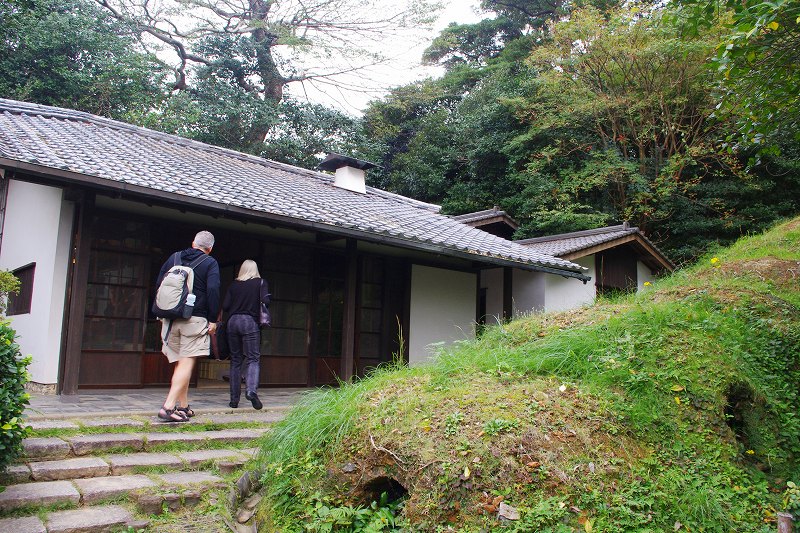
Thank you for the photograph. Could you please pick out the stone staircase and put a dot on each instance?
(127, 474)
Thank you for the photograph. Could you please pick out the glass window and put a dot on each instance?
(112, 334)
(117, 268)
(114, 301)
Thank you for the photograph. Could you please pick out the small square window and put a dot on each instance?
(19, 304)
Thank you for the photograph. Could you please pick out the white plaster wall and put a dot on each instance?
(442, 309)
(569, 293)
(37, 229)
(528, 291)
(492, 281)
(643, 274)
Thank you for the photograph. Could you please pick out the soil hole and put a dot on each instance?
(739, 410)
(374, 488)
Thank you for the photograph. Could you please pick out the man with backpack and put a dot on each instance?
(187, 299)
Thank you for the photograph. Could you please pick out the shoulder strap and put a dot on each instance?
(196, 263)
(176, 259)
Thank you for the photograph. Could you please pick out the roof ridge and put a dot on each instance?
(23, 108)
(583, 233)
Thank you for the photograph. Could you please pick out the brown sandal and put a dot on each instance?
(172, 415)
(186, 411)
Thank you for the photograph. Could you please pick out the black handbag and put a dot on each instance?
(219, 342)
(264, 318)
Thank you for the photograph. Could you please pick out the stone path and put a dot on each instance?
(125, 402)
(111, 473)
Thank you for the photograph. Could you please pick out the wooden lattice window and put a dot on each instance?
(19, 304)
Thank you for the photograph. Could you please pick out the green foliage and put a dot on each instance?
(499, 425)
(69, 53)
(13, 398)
(378, 516)
(791, 498)
(9, 284)
(760, 87)
(693, 385)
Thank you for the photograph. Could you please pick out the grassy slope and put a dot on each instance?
(675, 408)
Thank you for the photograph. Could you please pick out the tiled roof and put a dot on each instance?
(566, 243)
(74, 145)
(475, 218)
(570, 243)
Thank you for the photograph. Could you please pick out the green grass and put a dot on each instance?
(684, 399)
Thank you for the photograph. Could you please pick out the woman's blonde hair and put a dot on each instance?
(248, 270)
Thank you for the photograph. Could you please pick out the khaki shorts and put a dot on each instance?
(187, 338)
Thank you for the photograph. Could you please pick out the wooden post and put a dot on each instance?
(79, 257)
(349, 326)
(785, 523)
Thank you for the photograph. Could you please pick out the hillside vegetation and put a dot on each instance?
(677, 409)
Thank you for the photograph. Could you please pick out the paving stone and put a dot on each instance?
(89, 519)
(52, 424)
(184, 479)
(125, 463)
(191, 498)
(112, 422)
(101, 488)
(235, 435)
(45, 448)
(28, 524)
(69, 469)
(195, 458)
(227, 467)
(173, 501)
(15, 474)
(263, 417)
(155, 439)
(150, 504)
(38, 493)
(85, 444)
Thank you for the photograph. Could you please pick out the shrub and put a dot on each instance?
(8, 284)
(14, 374)
(13, 398)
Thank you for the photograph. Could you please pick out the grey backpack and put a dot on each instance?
(174, 297)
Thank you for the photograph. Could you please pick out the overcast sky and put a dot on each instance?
(403, 67)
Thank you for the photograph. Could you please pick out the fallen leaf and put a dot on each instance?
(677, 400)
(466, 472)
(588, 526)
(677, 388)
(678, 525)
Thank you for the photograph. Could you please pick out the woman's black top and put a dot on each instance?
(245, 297)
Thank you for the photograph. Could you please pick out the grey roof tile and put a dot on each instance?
(124, 154)
(569, 243)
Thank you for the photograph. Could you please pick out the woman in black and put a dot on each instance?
(242, 304)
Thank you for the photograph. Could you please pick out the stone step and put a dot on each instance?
(88, 491)
(229, 417)
(118, 464)
(88, 520)
(81, 445)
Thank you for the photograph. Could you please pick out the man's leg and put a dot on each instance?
(179, 387)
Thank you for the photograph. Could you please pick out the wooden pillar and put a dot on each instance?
(508, 274)
(349, 327)
(76, 294)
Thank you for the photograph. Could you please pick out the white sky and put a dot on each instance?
(403, 67)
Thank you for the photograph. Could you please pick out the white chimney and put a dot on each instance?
(352, 179)
(350, 172)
